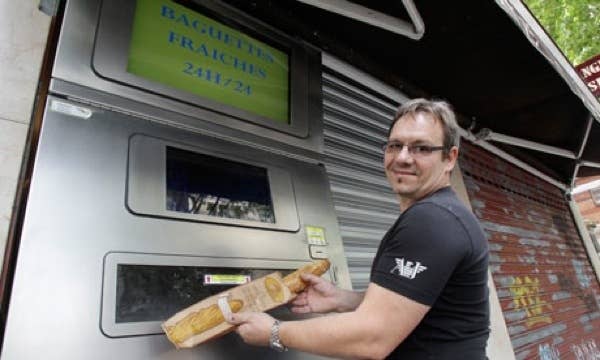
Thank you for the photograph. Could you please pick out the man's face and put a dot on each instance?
(414, 176)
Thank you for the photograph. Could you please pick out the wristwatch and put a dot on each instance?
(274, 340)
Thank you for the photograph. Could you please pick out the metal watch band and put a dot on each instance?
(275, 341)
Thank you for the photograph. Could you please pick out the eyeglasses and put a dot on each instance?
(414, 150)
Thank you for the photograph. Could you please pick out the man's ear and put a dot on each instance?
(452, 157)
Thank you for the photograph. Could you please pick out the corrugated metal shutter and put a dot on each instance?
(355, 125)
(545, 283)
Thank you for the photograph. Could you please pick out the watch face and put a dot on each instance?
(278, 347)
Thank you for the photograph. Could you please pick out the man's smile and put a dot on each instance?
(404, 173)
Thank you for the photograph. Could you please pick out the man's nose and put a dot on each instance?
(403, 154)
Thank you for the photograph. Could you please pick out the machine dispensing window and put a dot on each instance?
(219, 183)
(140, 290)
(207, 185)
(156, 292)
(145, 293)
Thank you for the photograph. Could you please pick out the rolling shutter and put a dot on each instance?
(356, 121)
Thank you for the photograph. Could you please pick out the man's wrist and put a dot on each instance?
(275, 339)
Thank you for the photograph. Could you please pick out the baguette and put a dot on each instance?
(295, 283)
(199, 321)
(204, 321)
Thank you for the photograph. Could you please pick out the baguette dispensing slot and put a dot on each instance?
(204, 320)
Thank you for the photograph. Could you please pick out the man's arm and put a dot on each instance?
(321, 296)
(381, 322)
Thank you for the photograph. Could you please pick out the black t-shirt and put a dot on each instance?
(436, 254)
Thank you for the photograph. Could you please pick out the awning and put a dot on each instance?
(475, 55)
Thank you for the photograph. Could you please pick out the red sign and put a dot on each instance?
(590, 73)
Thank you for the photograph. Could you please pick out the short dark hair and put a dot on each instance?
(440, 110)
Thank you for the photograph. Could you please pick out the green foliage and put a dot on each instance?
(573, 24)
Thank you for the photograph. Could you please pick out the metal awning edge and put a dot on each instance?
(414, 30)
(538, 37)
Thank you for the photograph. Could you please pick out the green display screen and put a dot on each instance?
(186, 50)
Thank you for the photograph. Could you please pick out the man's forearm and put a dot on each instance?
(345, 335)
(349, 300)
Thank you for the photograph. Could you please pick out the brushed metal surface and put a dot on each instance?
(76, 214)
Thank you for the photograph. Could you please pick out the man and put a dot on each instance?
(428, 296)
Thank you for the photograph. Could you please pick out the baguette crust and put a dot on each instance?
(199, 321)
(295, 283)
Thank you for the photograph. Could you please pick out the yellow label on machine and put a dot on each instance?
(226, 279)
(315, 235)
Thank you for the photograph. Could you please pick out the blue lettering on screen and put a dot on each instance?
(217, 78)
(218, 34)
(216, 55)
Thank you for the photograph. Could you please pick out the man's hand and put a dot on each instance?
(254, 328)
(320, 296)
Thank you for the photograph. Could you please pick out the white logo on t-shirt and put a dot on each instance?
(407, 269)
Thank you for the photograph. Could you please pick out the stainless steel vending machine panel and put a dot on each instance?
(155, 186)
(79, 230)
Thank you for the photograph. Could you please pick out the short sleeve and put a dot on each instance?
(419, 257)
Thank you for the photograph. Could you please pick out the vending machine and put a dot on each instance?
(180, 154)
